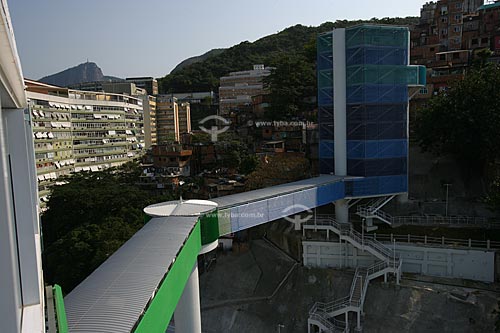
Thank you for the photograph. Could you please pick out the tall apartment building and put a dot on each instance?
(129, 88)
(147, 83)
(237, 89)
(77, 130)
(184, 113)
(149, 108)
(172, 119)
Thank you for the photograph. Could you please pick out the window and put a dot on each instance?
(474, 41)
(442, 57)
(457, 28)
(444, 32)
(458, 5)
(424, 91)
(444, 19)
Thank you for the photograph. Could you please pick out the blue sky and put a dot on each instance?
(149, 37)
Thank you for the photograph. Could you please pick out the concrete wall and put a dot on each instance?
(444, 262)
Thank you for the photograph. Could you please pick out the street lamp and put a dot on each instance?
(280, 326)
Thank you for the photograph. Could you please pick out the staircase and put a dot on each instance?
(326, 325)
(321, 314)
(372, 210)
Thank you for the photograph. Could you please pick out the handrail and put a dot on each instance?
(353, 284)
(346, 230)
(331, 324)
(370, 210)
(362, 276)
(323, 307)
(434, 241)
(62, 322)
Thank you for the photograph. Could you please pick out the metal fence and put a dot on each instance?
(435, 241)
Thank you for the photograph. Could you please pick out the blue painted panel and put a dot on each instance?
(326, 149)
(377, 93)
(392, 184)
(377, 55)
(329, 193)
(360, 149)
(325, 96)
(326, 166)
(377, 185)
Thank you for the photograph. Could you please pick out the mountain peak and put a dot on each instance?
(84, 72)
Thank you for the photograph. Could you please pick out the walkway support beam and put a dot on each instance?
(187, 314)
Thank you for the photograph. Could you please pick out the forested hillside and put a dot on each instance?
(269, 50)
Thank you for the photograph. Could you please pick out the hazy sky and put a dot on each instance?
(149, 37)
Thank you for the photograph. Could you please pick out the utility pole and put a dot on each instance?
(447, 192)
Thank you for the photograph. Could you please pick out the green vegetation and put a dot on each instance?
(493, 197)
(204, 75)
(88, 219)
(290, 85)
(231, 152)
(279, 169)
(464, 120)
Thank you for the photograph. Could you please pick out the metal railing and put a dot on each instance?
(332, 325)
(390, 260)
(434, 241)
(468, 221)
(356, 297)
(375, 241)
(346, 231)
(370, 210)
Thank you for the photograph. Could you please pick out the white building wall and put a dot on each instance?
(21, 295)
(478, 265)
(10, 291)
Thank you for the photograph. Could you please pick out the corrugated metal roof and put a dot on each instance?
(112, 298)
(255, 195)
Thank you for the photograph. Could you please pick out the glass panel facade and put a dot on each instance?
(377, 80)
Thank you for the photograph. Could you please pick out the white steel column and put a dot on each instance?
(339, 102)
(187, 314)
(340, 118)
(342, 211)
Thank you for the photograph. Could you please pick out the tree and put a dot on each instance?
(90, 217)
(493, 197)
(290, 84)
(278, 169)
(204, 75)
(464, 120)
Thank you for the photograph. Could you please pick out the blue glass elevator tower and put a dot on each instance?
(363, 79)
